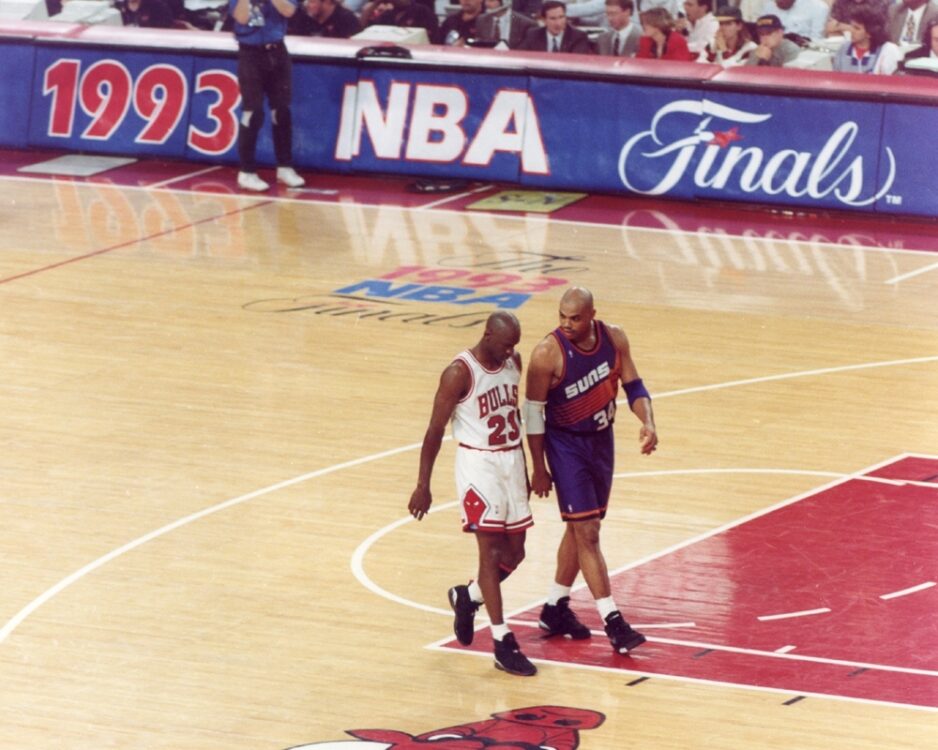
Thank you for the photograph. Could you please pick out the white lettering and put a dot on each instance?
(831, 171)
(435, 131)
(510, 125)
(597, 374)
(426, 119)
(361, 111)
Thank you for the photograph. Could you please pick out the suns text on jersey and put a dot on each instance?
(582, 385)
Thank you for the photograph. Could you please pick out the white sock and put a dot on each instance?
(499, 631)
(475, 593)
(557, 592)
(606, 607)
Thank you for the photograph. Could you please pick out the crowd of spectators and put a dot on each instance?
(861, 36)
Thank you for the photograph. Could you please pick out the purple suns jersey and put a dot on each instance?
(487, 416)
(585, 398)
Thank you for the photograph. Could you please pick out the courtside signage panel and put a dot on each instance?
(216, 108)
(909, 131)
(675, 143)
(318, 93)
(109, 102)
(685, 142)
(439, 124)
(15, 93)
(817, 153)
(587, 123)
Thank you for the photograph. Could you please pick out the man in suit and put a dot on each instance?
(929, 46)
(622, 38)
(556, 35)
(326, 18)
(908, 19)
(502, 23)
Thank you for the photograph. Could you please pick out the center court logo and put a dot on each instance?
(836, 169)
(532, 728)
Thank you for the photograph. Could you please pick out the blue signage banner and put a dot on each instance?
(588, 125)
(111, 101)
(809, 152)
(15, 93)
(214, 111)
(698, 140)
(319, 90)
(216, 108)
(909, 143)
(437, 123)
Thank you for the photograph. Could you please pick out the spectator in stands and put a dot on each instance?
(660, 40)
(457, 28)
(908, 19)
(530, 8)
(698, 24)
(556, 35)
(150, 14)
(623, 36)
(732, 44)
(868, 50)
(501, 22)
(327, 18)
(838, 21)
(407, 13)
(774, 49)
(806, 18)
(930, 47)
(587, 12)
(672, 6)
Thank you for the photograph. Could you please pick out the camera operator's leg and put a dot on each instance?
(250, 81)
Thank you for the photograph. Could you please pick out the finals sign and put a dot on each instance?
(718, 147)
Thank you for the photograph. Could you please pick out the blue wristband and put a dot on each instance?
(635, 389)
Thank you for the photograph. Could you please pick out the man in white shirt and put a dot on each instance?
(699, 25)
(806, 18)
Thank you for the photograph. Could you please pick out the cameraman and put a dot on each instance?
(264, 69)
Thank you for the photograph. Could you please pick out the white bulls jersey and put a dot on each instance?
(487, 418)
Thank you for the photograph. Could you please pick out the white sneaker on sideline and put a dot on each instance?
(250, 181)
(289, 177)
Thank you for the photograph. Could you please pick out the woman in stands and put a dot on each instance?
(733, 43)
(659, 39)
(868, 49)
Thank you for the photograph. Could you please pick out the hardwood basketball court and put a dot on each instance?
(213, 405)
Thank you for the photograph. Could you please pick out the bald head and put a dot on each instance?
(577, 296)
(502, 334)
(576, 314)
(503, 322)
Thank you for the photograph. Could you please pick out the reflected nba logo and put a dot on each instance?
(834, 171)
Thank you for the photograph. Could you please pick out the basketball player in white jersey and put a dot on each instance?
(479, 391)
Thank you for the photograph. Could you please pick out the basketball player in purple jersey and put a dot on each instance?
(479, 392)
(570, 405)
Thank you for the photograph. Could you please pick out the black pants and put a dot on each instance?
(265, 71)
